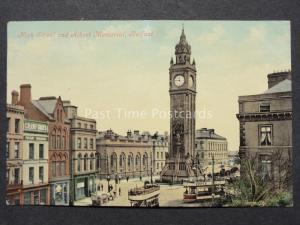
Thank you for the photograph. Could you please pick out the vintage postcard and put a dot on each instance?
(149, 113)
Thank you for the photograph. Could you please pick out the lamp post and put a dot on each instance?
(213, 178)
(108, 179)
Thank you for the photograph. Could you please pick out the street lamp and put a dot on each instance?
(108, 179)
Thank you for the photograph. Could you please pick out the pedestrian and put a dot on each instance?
(120, 191)
(127, 178)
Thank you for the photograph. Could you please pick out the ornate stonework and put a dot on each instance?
(182, 91)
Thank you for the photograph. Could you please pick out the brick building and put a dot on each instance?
(50, 109)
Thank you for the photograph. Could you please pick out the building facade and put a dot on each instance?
(50, 109)
(266, 129)
(160, 150)
(14, 151)
(83, 150)
(210, 145)
(182, 82)
(124, 156)
(36, 189)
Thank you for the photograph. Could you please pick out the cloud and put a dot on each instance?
(213, 36)
(257, 33)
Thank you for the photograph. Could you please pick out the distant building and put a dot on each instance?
(266, 128)
(124, 156)
(83, 152)
(160, 149)
(35, 190)
(233, 158)
(209, 144)
(14, 150)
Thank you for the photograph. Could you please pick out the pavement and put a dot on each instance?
(170, 195)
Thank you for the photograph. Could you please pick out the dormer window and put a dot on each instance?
(264, 107)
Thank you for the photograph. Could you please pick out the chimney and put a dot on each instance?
(25, 94)
(277, 77)
(14, 97)
(129, 133)
(136, 132)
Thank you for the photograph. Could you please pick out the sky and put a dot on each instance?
(117, 71)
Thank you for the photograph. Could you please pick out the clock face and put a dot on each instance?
(191, 81)
(179, 80)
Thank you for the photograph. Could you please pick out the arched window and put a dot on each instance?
(138, 161)
(92, 162)
(85, 162)
(121, 161)
(79, 163)
(111, 160)
(97, 161)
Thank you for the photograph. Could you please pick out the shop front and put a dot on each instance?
(13, 194)
(36, 196)
(60, 193)
(84, 186)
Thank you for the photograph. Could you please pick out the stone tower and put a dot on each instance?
(182, 83)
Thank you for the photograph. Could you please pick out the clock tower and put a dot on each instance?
(182, 89)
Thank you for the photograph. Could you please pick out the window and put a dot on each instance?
(53, 141)
(53, 169)
(120, 161)
(79, 125)
(91, 143)
(59, 142)
(85, 126)
(7, 149)
(157, 166)
(265, 135)
(266, 167)
(43, 194)
(58, 170)
(17, 150)
(41, 174)
(63, 168)
(137, 160)
(85, 143)
(264, 107)
(64, 143)
(92, 127)
(31, 175)
(85, 163)
(16, 175)
(8, 124)
(17, 125)
(92, 163)
(157, 155)
(36, 197)
(98, 161)
(27, 198)
(41, 151)
(31, 151)
(161, 155)
(79, 163)
(79, 143)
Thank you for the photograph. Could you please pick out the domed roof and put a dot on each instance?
(182, 47)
